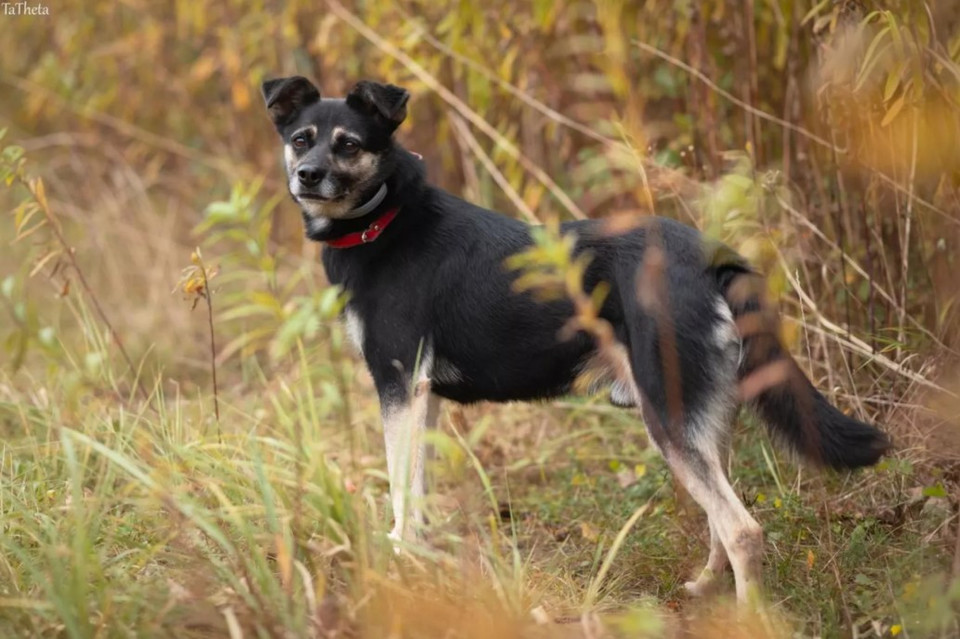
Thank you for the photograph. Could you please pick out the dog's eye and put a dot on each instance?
(299, 141)
(350, 147)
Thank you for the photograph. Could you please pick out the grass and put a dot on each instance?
(143, 513)
(156, 514)
(130, 519)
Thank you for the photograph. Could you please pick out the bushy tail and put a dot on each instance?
(772, 382)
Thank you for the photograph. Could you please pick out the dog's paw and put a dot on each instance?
(704, 585)
(396, 540)
(406, 541)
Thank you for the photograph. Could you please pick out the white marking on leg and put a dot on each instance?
(698, 466)
(735, 537)
(354, 327)
(742, 538)
(403, 428)
(740, 534)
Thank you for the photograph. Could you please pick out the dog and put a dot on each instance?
(435, 314)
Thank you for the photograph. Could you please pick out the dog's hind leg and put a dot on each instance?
(629, 395)
(695, 459)
(684, 352)
(717, 561)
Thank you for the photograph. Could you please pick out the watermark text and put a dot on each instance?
(24, 9)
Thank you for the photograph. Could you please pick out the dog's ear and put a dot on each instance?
(385, 101)
(285, 97)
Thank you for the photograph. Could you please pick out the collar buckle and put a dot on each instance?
(370, 233)
(366, 236)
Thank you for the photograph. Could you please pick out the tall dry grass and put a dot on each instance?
(819, 138)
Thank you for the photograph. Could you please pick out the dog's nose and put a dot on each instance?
(309, 175)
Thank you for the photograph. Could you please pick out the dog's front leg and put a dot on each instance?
(404, 423)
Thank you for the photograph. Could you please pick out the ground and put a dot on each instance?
(131, 518)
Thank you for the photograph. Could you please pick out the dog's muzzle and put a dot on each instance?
(314, 185)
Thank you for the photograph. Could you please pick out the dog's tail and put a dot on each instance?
(774, 385)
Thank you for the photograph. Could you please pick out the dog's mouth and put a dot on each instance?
(317, 197)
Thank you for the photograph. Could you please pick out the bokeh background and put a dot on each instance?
(821, 139)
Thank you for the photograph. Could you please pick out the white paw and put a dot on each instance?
(396, 540)
(704, 585)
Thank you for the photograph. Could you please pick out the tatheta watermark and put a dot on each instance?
(24, 9)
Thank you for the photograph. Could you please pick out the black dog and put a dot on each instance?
(433, 312)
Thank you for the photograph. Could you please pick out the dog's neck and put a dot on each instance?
(406, 178)
(370, 205)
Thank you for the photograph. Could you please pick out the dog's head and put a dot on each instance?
(337, 151)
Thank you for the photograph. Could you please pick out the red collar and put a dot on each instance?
(367, 235)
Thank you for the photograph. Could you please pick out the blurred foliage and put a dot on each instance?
(820, 138)
(171, 91)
